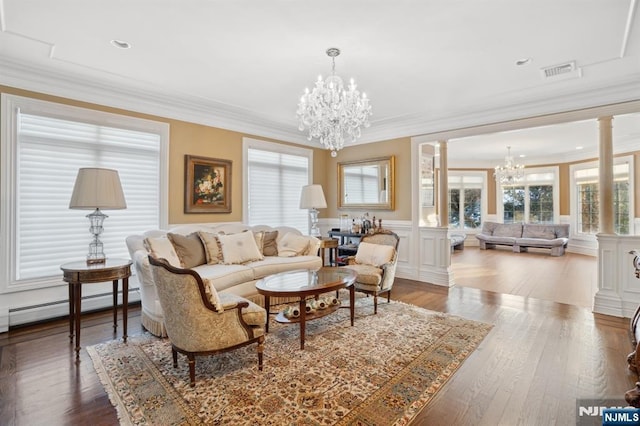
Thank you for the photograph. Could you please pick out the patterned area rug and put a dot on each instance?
(382, 371)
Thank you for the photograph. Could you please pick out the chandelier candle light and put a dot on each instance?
(510, 172)
(332, 113)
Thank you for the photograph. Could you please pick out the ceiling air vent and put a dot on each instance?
(561, 71)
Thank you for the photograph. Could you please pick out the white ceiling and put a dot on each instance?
(427, 66)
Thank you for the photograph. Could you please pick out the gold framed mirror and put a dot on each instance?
(367, 184)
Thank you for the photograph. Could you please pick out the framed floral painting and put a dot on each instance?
(207, 185)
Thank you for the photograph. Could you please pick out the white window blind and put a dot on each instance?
(591, 175)
(275, 181)
(362, 185)
(49, 152)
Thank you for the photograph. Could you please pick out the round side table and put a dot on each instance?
(78, 273)
(332, 245)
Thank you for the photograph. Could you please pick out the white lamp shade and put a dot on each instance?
(97, 188)
(312, 197)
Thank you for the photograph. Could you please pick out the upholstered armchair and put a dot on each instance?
(199, 321)
(375, 263)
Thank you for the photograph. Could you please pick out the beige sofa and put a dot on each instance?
(521, 236)
(202, 248)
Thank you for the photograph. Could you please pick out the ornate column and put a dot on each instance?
(605, 179)
(443, 187)
(610, 298)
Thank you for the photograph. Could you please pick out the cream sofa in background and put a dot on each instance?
(521, 236)
(238, 278)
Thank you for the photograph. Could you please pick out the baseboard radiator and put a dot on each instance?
(60, 308)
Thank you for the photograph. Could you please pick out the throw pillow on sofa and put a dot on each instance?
(161, 248)
(212, 293)
(291, 245)
(211, 245)
(269, 244)
(189, 249)
(239, 248)
(259, 237)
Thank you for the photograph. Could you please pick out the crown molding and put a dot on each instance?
(206, 112)
(626, 147)
(127, 97)
(466, 120)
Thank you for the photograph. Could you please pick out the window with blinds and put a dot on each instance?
(49, 146)
(275, 175)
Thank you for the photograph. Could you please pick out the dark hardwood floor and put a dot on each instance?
(540, 357)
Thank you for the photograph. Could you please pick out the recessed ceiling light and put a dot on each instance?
(579, 147)
(523, 61)
(522, 155)
(120, 44)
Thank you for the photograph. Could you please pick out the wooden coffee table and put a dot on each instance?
(305, 283)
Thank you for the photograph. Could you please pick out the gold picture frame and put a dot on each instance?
(367, 184)
(207, 185)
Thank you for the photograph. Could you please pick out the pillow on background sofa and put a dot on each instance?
(292, 245)
(239, 248)
(161, 248)
(539, 231)
(189, 249)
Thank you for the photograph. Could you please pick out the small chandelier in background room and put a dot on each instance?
(332, 112)
(510, 172)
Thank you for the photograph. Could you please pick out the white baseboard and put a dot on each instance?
(608, 304)
(60, 308)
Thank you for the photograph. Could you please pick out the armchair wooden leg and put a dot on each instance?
(375, 303)
(389, 296)
(260, 351)
(192, 369)
(631, 360)
(174, 353)
(632, 396)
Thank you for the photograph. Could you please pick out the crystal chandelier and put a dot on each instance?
(332, 113)
(510, 173)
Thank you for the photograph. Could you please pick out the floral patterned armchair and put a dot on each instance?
(199, 321)
(375, 263)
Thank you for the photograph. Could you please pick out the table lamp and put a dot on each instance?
(97, 188)
(312, 198)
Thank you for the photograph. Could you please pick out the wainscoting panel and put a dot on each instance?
(618, 288)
